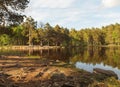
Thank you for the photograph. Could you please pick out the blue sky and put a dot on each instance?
(75, 13)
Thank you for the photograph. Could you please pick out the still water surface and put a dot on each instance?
(83, 58)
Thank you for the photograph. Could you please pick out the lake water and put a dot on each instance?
(83, 58)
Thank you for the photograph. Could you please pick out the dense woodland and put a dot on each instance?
(13, 31)
(31, 33)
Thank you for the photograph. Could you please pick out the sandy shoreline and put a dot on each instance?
(35, 47)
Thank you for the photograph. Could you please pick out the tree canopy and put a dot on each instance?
(10, 11)
(27, 33)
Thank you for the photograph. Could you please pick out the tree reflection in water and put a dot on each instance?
(91, 55)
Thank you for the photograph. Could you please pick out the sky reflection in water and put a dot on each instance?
(90, 67)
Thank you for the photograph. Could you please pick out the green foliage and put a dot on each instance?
(29, 30)
(28, 33)
(10, 11)
(17, 35)
(4, 40)
(109, 82)
(112, 34)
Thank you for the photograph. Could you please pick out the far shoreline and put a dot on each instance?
(38, 47)
(34, 47)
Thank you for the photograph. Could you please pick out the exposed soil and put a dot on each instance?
(26, 72)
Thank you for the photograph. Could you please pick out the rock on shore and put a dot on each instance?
(106, 73)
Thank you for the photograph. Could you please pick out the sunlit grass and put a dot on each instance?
(31, 56)
(109, 82)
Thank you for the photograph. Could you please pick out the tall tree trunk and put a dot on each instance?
(48, 43)
(41, 43)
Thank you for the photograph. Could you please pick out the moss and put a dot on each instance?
(112, 82)
(109, 82)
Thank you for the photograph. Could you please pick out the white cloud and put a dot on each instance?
(55, 16)
(74, 13)
(51, 3)
(38, 15)
(110, 3)
(68, 17)
(108, 15)
(48, 9)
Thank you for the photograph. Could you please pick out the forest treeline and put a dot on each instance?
(29, 33)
